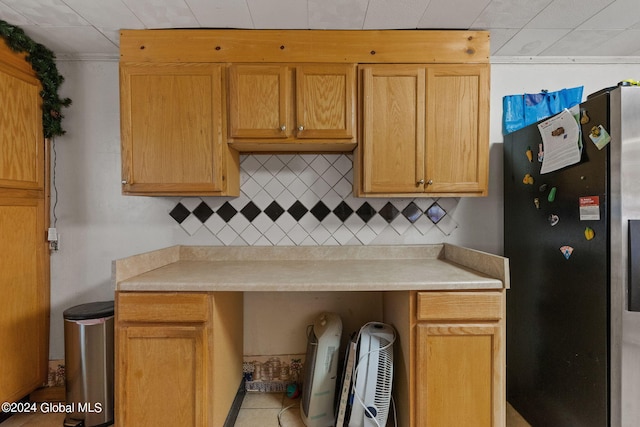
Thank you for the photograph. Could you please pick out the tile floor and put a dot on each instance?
(262, 409)
(258, 409)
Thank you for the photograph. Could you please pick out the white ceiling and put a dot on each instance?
(522, 28)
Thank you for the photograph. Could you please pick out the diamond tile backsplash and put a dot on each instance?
(306, 199)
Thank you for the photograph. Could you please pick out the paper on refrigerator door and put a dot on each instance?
(561, 141)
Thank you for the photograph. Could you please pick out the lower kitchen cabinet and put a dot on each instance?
(178, 357)
(460, 359)
(449, 357)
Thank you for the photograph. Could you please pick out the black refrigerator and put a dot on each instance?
(566, 300)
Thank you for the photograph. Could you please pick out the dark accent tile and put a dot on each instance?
(297, 210)
(179, 213)
(412, 212)
(250, 211)
(343, 211)
(435, 213)
(227, 212)
(274, 210)
(320, 211)
(366, 212)
(389, 212)
(203, 212)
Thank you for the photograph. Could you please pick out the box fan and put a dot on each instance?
(365, 397)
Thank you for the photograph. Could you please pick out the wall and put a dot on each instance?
(97, 224)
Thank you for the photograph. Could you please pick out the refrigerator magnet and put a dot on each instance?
(552, 194)
(536, 202)
(553, 219)
(528, 179)
(589, 208)
(540, 153)
(584, 117)
(566, 251)
(589, 233)
(599, 136)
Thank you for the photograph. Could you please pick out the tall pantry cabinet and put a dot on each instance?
(24, 254)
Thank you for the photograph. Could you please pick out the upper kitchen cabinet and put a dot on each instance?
(172, 122)
(21, 136)
(286, 107)
(414, 104)
(425, 130)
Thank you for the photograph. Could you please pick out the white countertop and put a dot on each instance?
(291, 269)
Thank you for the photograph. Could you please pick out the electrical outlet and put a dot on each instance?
(54, 239)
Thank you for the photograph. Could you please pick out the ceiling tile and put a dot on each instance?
(581, 43)
(388, 14)
(509, 13)
(619, 15)
(623, 44)
(284, 14)
(46, 12)
(162, 13)
(11, 16)
(452, 13)
(113, 14)
(221, 13)
(567, 13)
(499, 37)
(337, 14)
(531, 42)
(71, 40)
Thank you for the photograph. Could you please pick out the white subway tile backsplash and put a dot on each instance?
(306, 199)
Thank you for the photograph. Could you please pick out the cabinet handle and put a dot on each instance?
(124, 182)
(283, 128)
(301, 128)
(430, 182)
(420, 182)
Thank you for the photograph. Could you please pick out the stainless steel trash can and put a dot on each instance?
(89, 354)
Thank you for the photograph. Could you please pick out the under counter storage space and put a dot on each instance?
(224, 294)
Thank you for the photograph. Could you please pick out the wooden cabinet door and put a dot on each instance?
(178, 357)
(457, 135)
(24, 301)
(325, 101)
(393, 128)
(164, 381)
(162, 375)
(456, 370)
(460, 359)
(21, 135)
(259, 101)
(172, 127)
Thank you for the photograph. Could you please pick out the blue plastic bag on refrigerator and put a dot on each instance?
(522, 110)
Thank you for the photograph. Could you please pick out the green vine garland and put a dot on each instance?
(43, 63)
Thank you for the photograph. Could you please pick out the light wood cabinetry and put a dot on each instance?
(292, 107)
(21, 137)
(460, 359)
(172, 125)
(24, 254)
(414, 103)
(178, 357)
(449, 358)
(424, 130)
